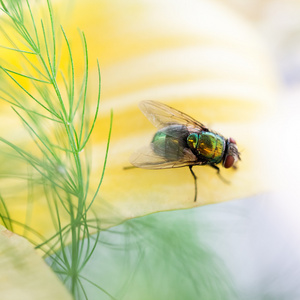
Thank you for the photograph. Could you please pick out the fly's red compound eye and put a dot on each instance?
(231, 140)
(229, 161)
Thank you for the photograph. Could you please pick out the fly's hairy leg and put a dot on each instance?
(220, 176)
(195, 181)
(129, 167)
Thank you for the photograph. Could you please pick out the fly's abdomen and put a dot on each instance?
(170, 141)
(207, 145)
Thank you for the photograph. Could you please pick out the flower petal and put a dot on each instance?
(199, 58)
(23, 274)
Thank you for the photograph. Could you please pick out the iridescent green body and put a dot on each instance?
(208, 145)
(170, 141)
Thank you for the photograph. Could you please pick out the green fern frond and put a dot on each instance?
(52, 105)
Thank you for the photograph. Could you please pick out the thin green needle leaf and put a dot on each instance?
(26, 76)
(45, 94)
(18, 50)
(35, 163)
(98, 287)
(47, 52)
(3, 5)
(97, 108)
(30, 95)
(72, 83)
(53, 39)
(74, 136)
(62, 201)
(35, 49)
(51, 73)
(28, 111)
(21, 29)
(28, 228)
(85, 81)
(50, 205)
(38, 137)
(104, 165)
(63, 149)
(58, 233)
(4, 215)
(89, 252)
(34, 25)
(82, 289)
(68, 89)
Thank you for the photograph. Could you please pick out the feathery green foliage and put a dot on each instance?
(159, 256)
(43, 90)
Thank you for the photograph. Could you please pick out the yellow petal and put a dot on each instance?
(201, 59)
(24, 275)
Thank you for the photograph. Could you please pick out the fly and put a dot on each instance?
(181, 141)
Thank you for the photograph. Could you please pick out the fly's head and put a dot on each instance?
(232, 154)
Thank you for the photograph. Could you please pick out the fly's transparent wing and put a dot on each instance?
(146, 158)
(168, 148)
(162, 115)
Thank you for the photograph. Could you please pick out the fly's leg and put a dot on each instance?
(195, 181)
(129, 167)
(218, 172)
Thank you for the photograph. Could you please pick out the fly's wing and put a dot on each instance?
(146, 158)
(168, 148)
(161, 115)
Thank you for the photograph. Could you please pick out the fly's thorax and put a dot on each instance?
(207, 145)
